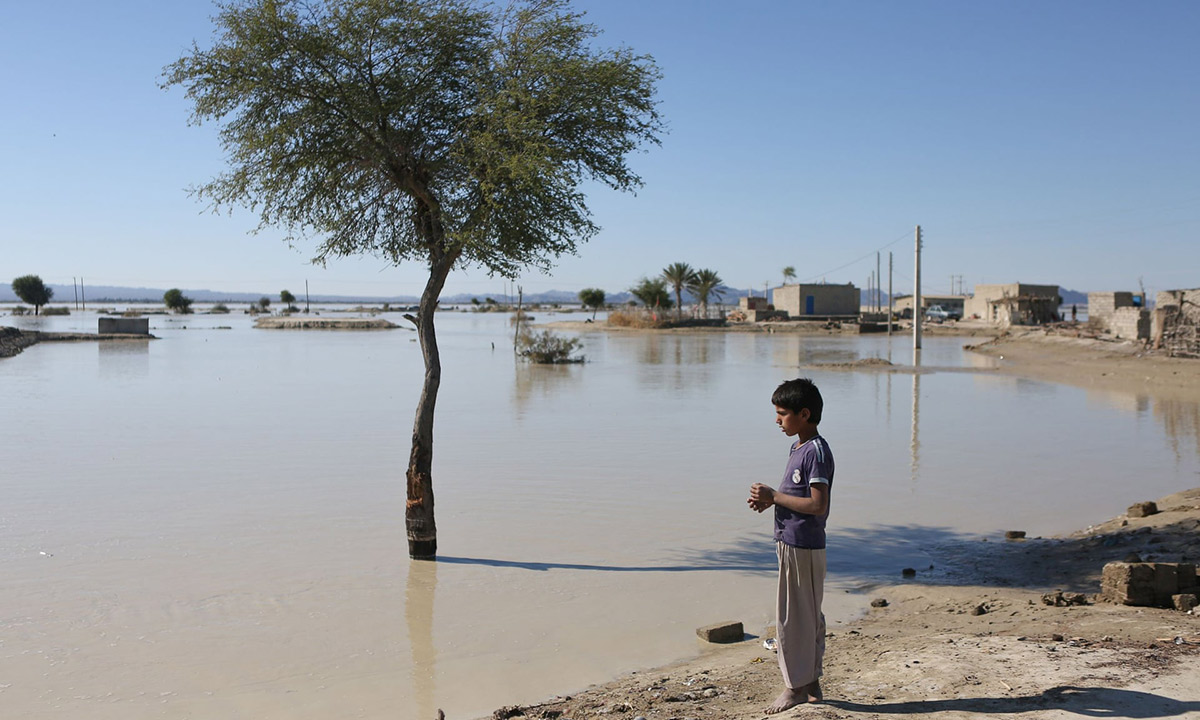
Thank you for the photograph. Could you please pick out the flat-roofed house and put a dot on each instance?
(1014, 304)
(822, 300)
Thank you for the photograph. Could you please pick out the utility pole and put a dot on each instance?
(82, 298)
(918, 314)
(878, 295)
(75, 289)
(306, 296)
(889, 294)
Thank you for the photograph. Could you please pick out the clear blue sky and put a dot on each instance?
(1042, 142)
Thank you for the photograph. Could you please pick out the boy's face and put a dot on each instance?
(791, 423)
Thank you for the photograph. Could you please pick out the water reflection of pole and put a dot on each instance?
(418, 615)
(915, 443)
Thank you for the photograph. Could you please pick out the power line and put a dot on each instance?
(856, 261)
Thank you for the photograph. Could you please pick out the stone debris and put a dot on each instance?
(1014, 535)
(1059, 598)
(1142, 509)
(1184, 602)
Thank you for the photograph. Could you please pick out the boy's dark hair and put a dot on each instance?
(798, 394)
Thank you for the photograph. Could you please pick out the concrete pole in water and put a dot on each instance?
(918, 314)
(878, 298)
(889, 294)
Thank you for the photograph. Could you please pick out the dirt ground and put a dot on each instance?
(972, 636)
(969, 638)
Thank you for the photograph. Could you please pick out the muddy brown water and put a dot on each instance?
(211, 524)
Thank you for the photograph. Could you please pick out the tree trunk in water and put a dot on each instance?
(418, 510)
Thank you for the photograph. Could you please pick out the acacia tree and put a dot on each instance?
(705, 283)
(592, 298)
(677, 276)
(443, 132)
(652, 292)
(176, 301)
(32, 290)
(287, 298)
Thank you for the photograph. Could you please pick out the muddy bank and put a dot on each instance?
(970, 636)
(1122, 366)
(323, 323)
(13, 341)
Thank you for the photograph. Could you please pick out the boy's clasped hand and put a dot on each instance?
(761, 497)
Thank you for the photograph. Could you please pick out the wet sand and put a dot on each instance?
(971, 636)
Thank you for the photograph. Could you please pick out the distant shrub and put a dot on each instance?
(56, 310)
(546, 348)
(219, 309)
(635, 318)
(520, 316)
(20, 310)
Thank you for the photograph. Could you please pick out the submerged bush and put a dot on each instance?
(546, 348)
(219, 309)
(20, 310)
(56, 310)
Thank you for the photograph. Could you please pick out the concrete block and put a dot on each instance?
(726, 632)
(1184, 601)
(1142, 509)
(1166, 582)
(1188, 581)
(1128, 583)
(131, 326)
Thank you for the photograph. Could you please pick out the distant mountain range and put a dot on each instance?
(115, 294)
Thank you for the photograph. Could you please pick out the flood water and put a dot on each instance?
(211, 524)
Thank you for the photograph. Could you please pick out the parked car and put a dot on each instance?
(937, 313)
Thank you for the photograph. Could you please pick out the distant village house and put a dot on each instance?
(1014, 304)
(1123, 314)
(817, 301)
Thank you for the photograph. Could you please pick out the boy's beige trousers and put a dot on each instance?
(800, 624)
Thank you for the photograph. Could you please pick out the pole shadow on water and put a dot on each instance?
(1085, 701)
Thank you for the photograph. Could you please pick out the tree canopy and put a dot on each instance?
(444, 132)
(592, 298)
(652, 292)
(32, 290)
(176, 301)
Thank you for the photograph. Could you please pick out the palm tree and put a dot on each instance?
(789, 273)
(703, 284)
(678, 275)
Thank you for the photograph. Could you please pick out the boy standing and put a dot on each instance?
(801, 507)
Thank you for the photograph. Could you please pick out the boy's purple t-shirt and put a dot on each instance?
(808, 465)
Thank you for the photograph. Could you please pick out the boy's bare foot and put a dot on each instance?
(789, 698)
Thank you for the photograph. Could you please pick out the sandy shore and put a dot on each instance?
(972, 636)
